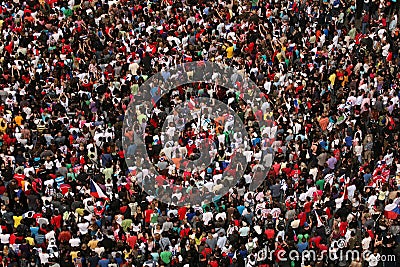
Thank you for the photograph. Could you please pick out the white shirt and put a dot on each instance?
(5, 238)
(207, 217)
(44, 258)
(74, 242)
(366, 242)
(248, 155)
(50, 235)
(221, 242)
(351, 189)
(373, 259)
(83, 228)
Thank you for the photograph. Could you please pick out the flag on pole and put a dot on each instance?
(95, 191)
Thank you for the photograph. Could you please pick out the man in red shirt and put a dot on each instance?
(308, 205)
(343, 227)
(132, 239)
(315, 241)
(147, 215)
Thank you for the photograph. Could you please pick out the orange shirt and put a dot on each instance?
(18, 120)
(323, 123)
(318, 34)
(177, 162)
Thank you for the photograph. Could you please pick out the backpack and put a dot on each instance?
(270, 224)
(225, 261)
(23, 263)
(281, 223)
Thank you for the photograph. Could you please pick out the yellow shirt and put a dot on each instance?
(382, 195)
(332, 78)
(345, 80)
(127, 254)
(229, 52)
(279, 56)
(74, 255)
(17, 221)
(3, 129)
(93, 244)
(198, 240)
(80, 211)
(30, 240)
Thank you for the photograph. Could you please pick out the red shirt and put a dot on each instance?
(343, 228)
(182, 213)
(160, 180)
(184, 232)
(19, 178)
(147, 215)
(276, 168)
(371, 234)
(328, 213)
(303, 218)
(132, 241)
(56, 221)
(206, 252)
(307, 207)
(13, 237)
(316, 240)
(37, 215)
(270, 233)
(64, 236)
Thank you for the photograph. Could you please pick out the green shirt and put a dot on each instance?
(141, 117)
(134, 88)
(108, 172)
(166, 256)
(68, 12)
(320, 184)
(352, 33)
(72, 176)
(126, 224)
(154, 218)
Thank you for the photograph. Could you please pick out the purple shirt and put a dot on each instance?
(331, 163)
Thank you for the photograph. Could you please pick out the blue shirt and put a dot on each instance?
(104, 262)
(190, 216)
(302, 246)
(367, 176)
(118, 260)
(34, 230)
(240, 209)
(349, 140)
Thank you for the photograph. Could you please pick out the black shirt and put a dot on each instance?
(93, 261)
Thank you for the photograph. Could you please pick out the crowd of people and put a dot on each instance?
(322, 136)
